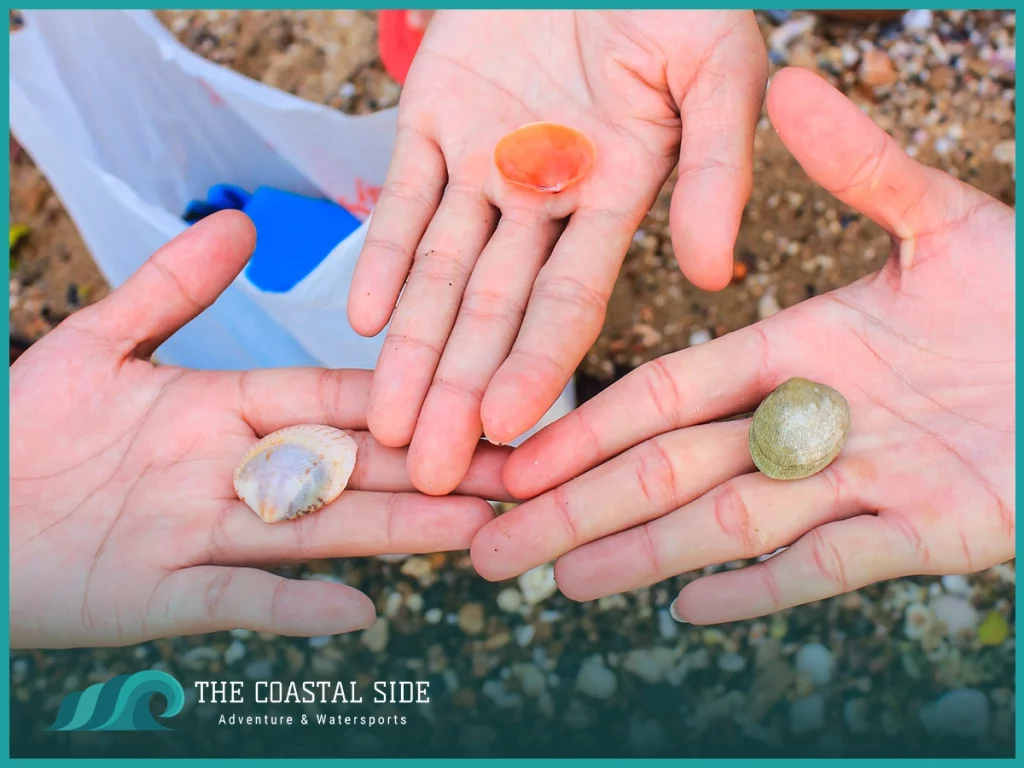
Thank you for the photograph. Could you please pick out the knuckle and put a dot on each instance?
(828, 561)
(732, 516)
(656, 474)
(574, 293)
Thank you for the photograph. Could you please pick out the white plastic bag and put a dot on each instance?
(129, 126)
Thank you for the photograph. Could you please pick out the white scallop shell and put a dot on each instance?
(295, 471)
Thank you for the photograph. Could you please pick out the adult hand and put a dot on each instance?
(124, 521)
(924, 352)
(489, 330)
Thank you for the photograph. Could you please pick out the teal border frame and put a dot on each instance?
(523, 4)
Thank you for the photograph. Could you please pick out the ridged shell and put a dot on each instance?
(799, 429)
(546, 157)
(295, 471)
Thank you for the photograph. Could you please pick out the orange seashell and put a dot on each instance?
(547, 157)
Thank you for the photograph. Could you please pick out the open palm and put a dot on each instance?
(124, 522)
(924, 352)
(489, 329)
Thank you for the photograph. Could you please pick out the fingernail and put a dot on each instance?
(675, 614)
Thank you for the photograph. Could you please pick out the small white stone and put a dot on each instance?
(393, 604)
(918, 621)
(955, 615)
(524, 634)
(957, 584)
(510, 600)
(667, 626)
(700, 336)
(767, 305)
(595, 679)
(414, 602)
(376, 637)
(816, 661)
(235, 652)
(320, 642)
(538, 584)
(433, 616)
(919, 18)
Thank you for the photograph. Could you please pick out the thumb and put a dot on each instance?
(175, 285)
(844, 151)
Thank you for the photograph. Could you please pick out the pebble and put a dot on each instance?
(957, 584)
(962, 713)
(538, 584)
(235, 652)
(668, 627)
(418, 568)
(414, 602)
(955, 615)
(595, 679)
(652, 665)
(807, 714)
(855, 715)
(259, 670)
(433, 616)
(917, 19)
(199, 657)
(815, 661)
(524, 634)
(767, 305)
(1005, 152)
(918, 621)
(510, 600)
(376, 637)
(530, 678)
(876, 68)
(731, 662)
(701, 336)
(994, 629)
(472, 620)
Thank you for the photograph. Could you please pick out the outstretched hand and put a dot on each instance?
(924, 352)
(124, 521)
(489, 329)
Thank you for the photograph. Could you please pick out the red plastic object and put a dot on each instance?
(397, 42)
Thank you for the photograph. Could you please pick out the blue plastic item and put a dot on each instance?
(294, 233)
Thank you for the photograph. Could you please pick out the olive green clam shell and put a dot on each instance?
(798, 430)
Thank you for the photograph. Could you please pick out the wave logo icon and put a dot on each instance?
(120, 704)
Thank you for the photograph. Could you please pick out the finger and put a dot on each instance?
(449, 426)
(563, 319)
(721, 378)
(748, 516)
(380, 468)
(408, 200)
(358, 524)
(642, 484)
(842, 149)
(719, 116)
(211, 599)
(830, 560)
(274, 398)
(173, 286)
(425, 316)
